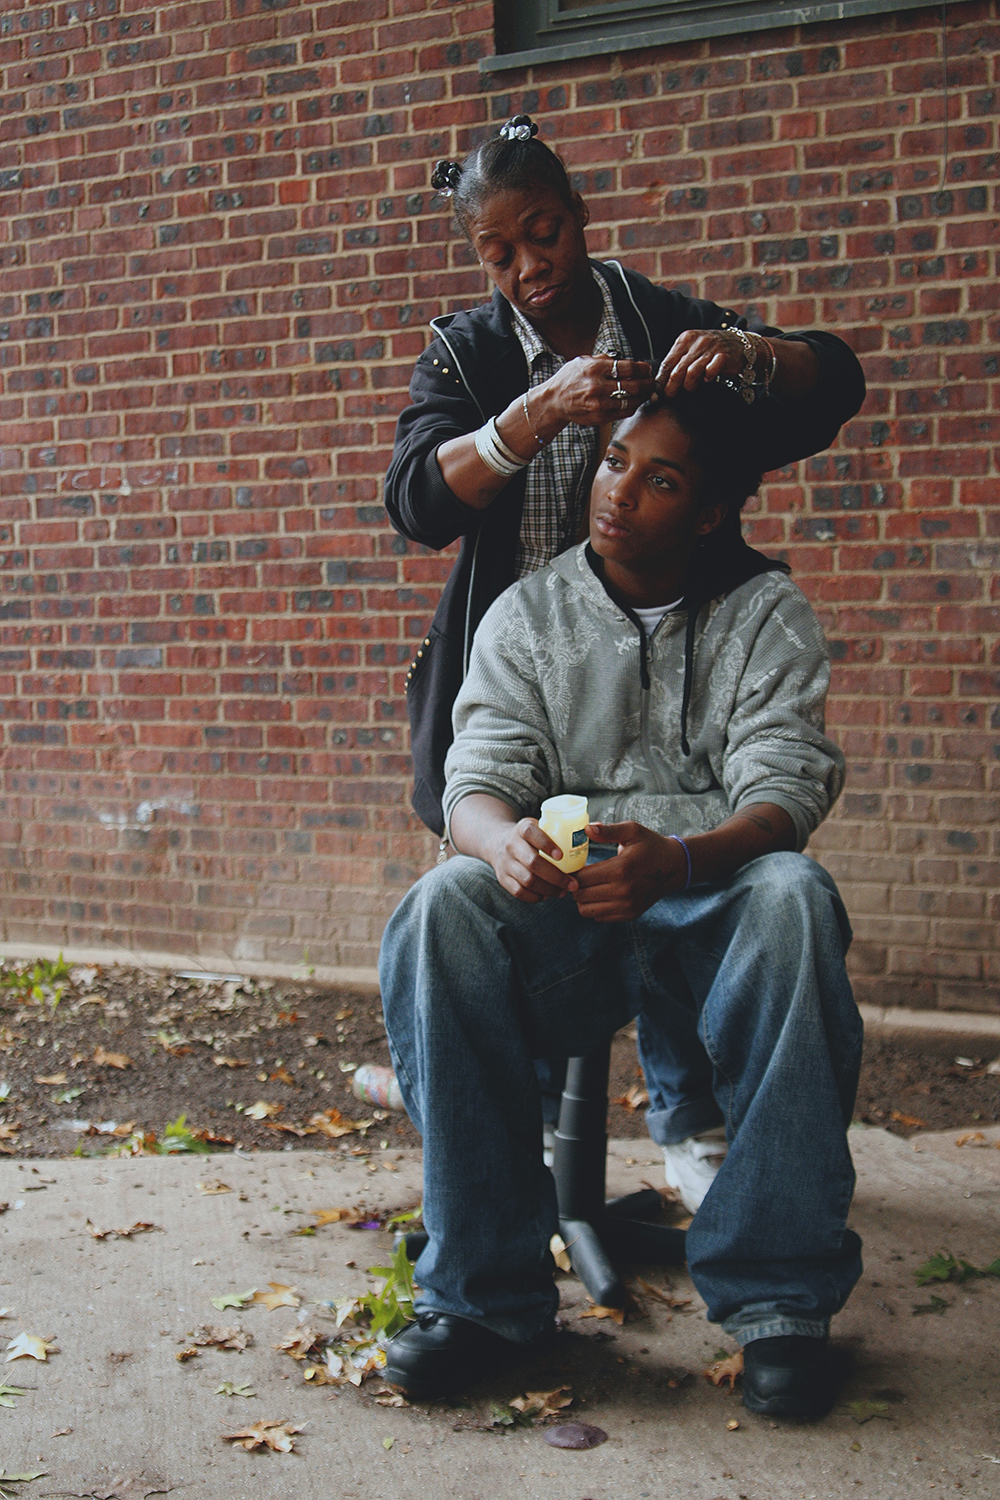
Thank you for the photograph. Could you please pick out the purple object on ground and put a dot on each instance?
(575, 1435)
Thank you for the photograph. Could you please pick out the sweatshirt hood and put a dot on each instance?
(721, 563)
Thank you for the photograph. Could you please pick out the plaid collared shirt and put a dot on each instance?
(556, 495)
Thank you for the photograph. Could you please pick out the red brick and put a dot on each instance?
(241, 349)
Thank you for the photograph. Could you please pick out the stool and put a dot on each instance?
(594, 1229)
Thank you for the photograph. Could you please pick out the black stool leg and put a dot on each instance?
(591, 1228)
(579, 1166)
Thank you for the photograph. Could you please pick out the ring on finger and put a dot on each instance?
(614, 370)
(620, 393)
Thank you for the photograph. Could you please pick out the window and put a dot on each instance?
(529, 31)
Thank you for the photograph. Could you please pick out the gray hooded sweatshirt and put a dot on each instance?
(553, 702)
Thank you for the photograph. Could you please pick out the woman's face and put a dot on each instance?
(531, 245)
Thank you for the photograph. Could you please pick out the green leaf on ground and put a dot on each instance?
(228, 1389)
(935, 1305)
(9, 1392)
(863, 1411)
(233, 1299)
(66, 1096)
(944, 1266)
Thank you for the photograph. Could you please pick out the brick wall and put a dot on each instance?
(218, 257)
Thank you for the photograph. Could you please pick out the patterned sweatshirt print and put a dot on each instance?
(553, 703)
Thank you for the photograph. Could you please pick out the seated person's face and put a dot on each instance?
(646, 507)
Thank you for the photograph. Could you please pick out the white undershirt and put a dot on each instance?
(651, 617)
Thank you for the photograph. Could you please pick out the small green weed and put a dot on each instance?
(391, 1308)
(40, 983)
(935, 1305)
(944, 1266)
(177, 1137)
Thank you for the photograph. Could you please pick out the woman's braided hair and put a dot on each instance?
(513, 160)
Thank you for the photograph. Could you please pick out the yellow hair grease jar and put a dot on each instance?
(565, 819)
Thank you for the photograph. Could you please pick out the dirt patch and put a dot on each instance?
(211, 1049)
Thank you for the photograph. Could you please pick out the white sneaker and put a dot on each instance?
(691, 1165)
(549, 1146)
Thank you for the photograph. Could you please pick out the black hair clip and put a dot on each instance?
(520, 128)
(446, 176)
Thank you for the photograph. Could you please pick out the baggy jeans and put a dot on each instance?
(744, 987)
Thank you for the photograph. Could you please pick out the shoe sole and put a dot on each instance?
(789, 1406)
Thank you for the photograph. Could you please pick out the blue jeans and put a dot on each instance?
(740, 985)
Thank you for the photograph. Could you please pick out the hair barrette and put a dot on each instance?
(520, 128)
(446, 177)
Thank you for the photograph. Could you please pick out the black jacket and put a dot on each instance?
(473, 369)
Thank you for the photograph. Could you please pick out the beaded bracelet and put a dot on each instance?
(687, 855)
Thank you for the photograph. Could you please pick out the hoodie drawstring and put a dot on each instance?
(689, 633)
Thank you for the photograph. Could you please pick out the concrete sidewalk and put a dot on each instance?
(113, 1412)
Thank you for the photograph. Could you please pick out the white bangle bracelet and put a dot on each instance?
(495, 453)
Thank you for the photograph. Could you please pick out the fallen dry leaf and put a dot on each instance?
(725, 1369)
(283, 1076)
(104, 1059)
(908, 1120)
(262, 1110)
(633, 1098)
(278, 1296)
(278, 1436)
(231, 1062)
(665, 1295)
(301, 1342)
(183, 1355)
(232, 1299)
(222, 1338)
(140, 1227)
(543, 1403)
(52, 1078)
(329, 1215)
(732, 1425)
(616, 1314)
(387, 1397)
(228, 1389)
(559, 1253)
(212, 1187)
(331, 1122)
(30, 1346)
(971, 1138)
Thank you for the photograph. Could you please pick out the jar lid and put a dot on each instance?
(569, 802)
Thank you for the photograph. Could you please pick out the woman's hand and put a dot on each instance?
(701, 356)
(583, 391)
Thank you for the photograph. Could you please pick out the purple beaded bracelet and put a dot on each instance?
(687, 855)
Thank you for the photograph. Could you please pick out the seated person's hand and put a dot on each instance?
(516, 857)
(646, 867)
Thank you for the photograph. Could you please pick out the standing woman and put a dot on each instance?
(503, 434)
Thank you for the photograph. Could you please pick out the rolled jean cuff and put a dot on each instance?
(774, 1326)
(668, 1127)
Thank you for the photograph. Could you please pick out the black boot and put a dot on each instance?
(440, 1353)
(790, 1376)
